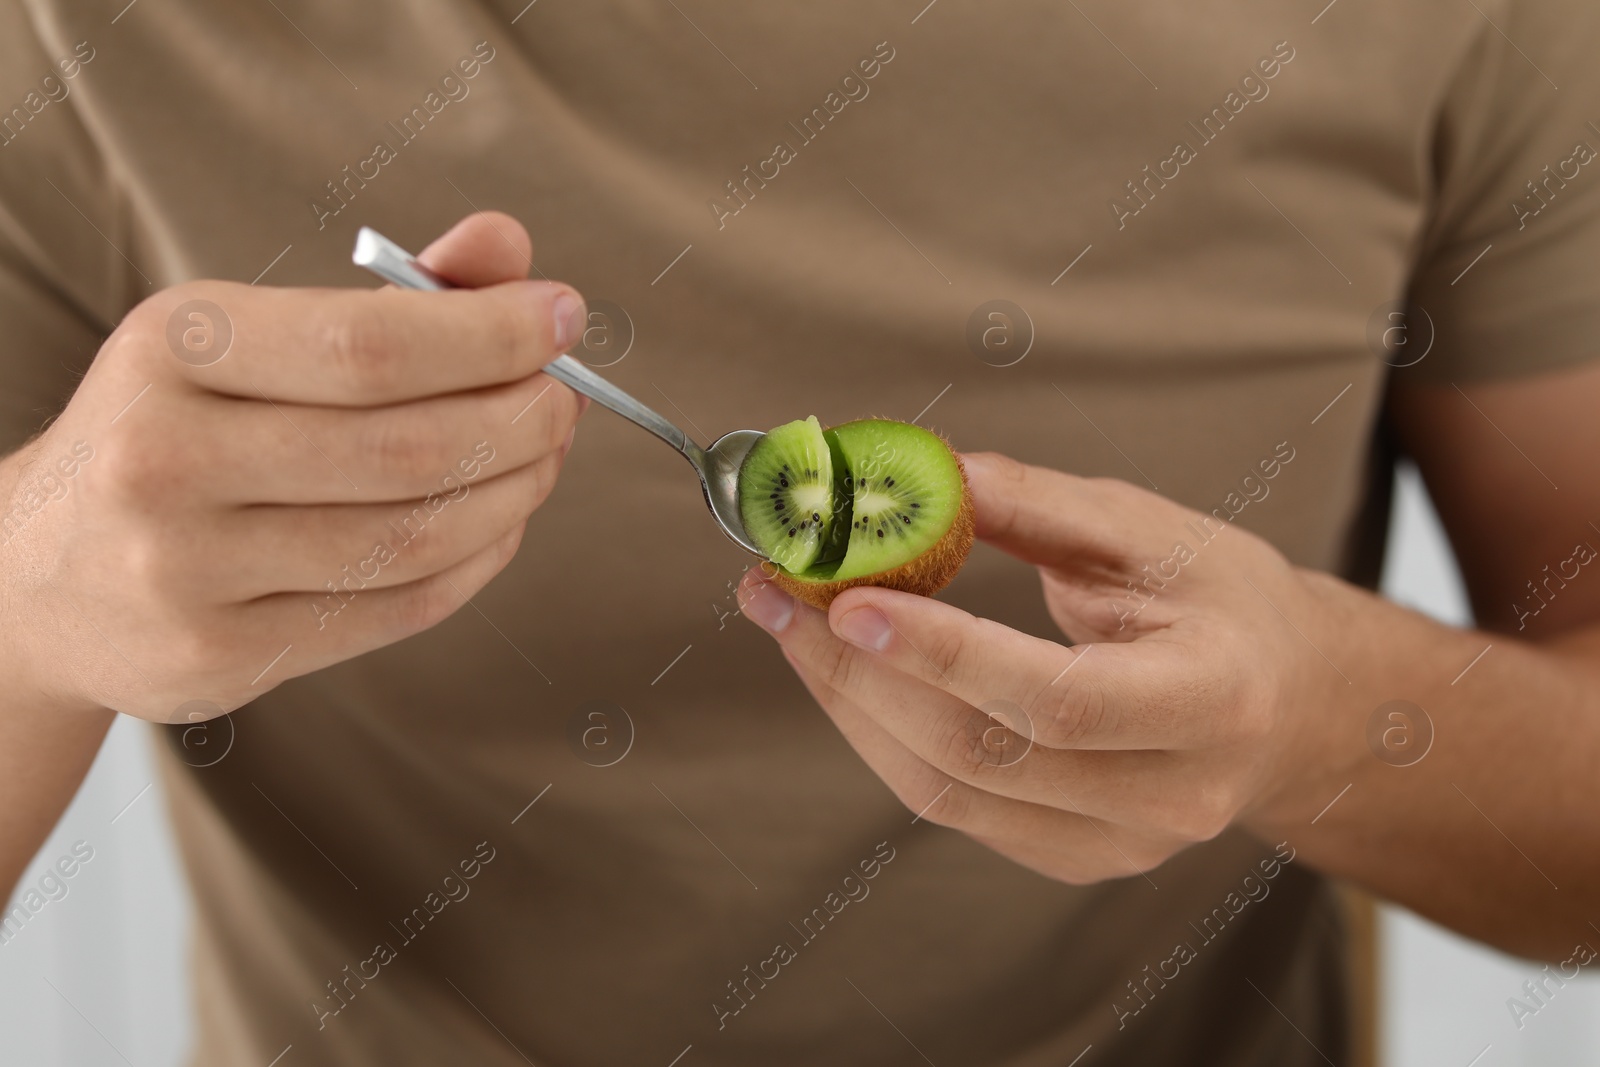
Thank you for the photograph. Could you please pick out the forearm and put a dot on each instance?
(46, 743)
(44, 754)
(1495, 831)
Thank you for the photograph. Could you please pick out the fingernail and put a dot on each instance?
(566, 446)
(767, 606)
(866, 628)
(570, 317)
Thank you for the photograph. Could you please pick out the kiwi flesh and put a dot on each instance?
(899, 513)
(786, 494)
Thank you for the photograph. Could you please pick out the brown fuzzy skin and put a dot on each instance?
(925, 575)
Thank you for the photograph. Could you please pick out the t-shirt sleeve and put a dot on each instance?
(63, 281)
(1507, 269)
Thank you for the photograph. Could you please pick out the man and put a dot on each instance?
(1155, 256)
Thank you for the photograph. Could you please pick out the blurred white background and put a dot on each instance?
(98, 977)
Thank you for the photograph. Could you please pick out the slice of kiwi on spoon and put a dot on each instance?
(786, 494)
(871, 502)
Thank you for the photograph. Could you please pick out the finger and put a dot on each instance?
(1061, 844)
(1148, 694)
(368, 620)
(993, 748)
(364, 347)
(484, 248)
(282, 453)
(333, 551)
(488, 247)
(1050, 518)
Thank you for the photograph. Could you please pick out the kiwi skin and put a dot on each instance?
(925, 575)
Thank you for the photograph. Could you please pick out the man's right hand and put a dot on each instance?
(355, 465)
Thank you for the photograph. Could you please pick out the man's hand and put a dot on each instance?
(1186, 700)
(1210, 683)
(274, 480)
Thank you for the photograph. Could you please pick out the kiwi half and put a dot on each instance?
(897, 511)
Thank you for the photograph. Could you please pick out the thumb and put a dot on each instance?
(485, 248)
(488, 248)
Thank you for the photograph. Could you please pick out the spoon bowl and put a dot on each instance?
(718, 467)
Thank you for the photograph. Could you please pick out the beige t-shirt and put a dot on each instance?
(1197, 216)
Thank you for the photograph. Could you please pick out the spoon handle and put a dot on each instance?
(394, 264)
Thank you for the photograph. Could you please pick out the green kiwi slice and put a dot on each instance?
(786, 494)
(869, 502)
(905, 490)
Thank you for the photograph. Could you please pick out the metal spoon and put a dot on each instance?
(717, 466)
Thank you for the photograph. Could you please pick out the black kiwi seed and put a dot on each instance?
(916, 505)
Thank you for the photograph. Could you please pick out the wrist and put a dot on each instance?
(1362, 655)
(37, 677)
